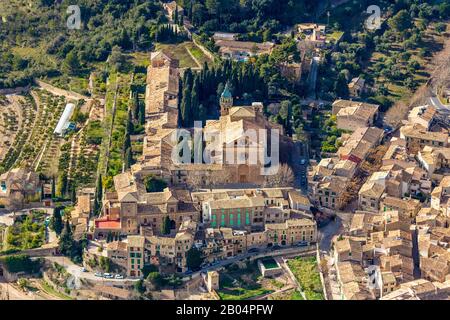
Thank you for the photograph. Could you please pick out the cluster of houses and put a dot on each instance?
(401, 232)
(220, 223)
(331, 177)
(232, 221)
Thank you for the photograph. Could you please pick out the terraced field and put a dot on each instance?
(18, 115)
(30, 137)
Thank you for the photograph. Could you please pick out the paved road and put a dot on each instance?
(334, 227)
(439, 106)
(313, 77)
(77, 273)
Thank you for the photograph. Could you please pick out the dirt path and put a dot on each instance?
(60, 92)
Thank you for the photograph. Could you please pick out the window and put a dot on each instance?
(239, 219)
(247, 218)
(213, 221)
(222, 222)
(231, 219)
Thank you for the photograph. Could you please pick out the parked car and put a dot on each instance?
(276, 247)
(303, 244)
(118, 276)
(83, 269)
(253, 250)
(98, 274)
(108, 276)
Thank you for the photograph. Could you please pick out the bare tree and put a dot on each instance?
(283, 178)
(219, 177)
(194, 179)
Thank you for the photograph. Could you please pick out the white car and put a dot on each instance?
(108, 275)
(118, 276)
(98, 274)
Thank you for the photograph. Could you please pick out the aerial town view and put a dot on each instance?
(225, 150)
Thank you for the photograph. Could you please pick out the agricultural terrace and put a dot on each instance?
(34, 143)
(18, 113)
(116, 118)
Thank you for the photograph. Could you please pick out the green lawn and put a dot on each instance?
(197, 53)
(179, 51)
(307, 274)
(335, 35)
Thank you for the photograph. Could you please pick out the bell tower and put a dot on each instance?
(226, 101)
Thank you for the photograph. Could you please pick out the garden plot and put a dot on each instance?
(41, 151)
(27, 232)
(306, 271)
(18, 115)
(246, 283)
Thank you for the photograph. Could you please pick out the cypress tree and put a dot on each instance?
(142, 113)
(53, 187)
(128, 159)
(165, 227)
(99, 190)
(186, 100)
(73, 194)
(126, 143)
(176, 14)
(66, 240)
(195, 100)
(130, 126)
(56, 223)
(135, 106)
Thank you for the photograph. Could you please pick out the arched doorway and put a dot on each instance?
(243, 172)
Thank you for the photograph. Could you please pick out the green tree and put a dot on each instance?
(194, 259)
(56, 222)
(341, 87)
(441, 27)
(155, 279)
(66, 240)
(165, 227)
(130, 126)
(71, 63)
(61, 187)
(139, 287)
(128, 159)
(141, 114)
(401, 21)
(195, 100)
(186, 107)
(153, 184)
(53, 187)
(42, 192)
(99, 189)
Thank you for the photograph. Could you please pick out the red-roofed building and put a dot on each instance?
(104, 226)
